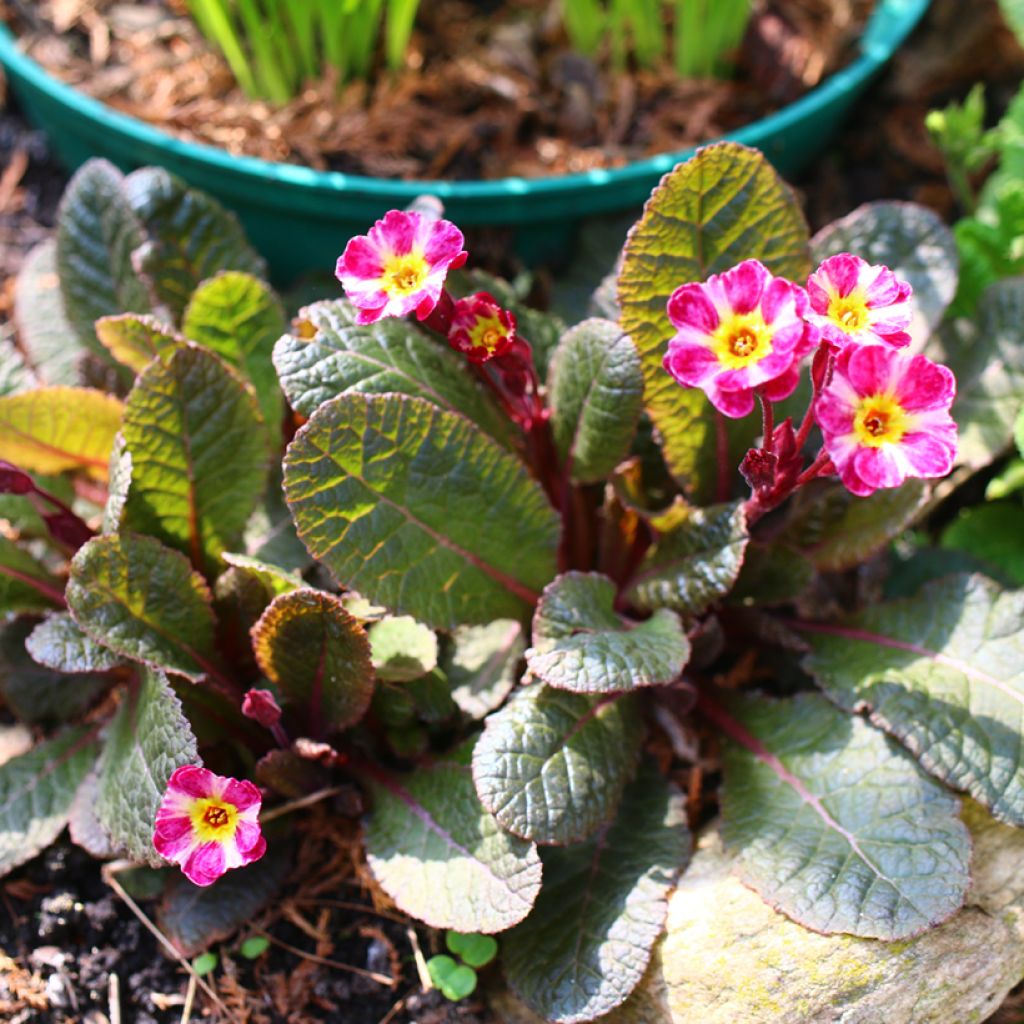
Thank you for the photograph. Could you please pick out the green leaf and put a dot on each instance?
(402, 649)
(595, 392)
(149, 738)
(50, 430)
(190, 237)
(137, 339)
(992, 534)
(362, 479)
(330, 355)
(771, 574)
(194, 917)
(97, 233)
(273, 580)
(580, 643)
(482, 665)
(551, 765)
(36, 792)
(835, 826)
(695, 564)
(15, 373)
(254, 947)
(837, 530)
(319, 656)
(25, 585)
(1013, 13)
(475, 950)
(943, 672)
(58, 643)
(910, 240)
(455, 981)
(270, 533)
(987, 357)
(120, 481)
(603, 905)
(144, 601)
(724, 205)
(432, 697)
(204, 963)
(442, 858)
(199, 456)
(240, 318)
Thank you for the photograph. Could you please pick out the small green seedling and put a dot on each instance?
(204, 963)
(254, 947)
(455, 981)
(475, 950)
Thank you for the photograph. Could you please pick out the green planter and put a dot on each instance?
(300, 218)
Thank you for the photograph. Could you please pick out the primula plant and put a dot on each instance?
(513, 581)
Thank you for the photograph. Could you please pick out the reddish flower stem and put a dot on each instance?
(767, 423)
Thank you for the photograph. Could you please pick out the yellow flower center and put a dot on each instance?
(880, 420)
(742, 339)
(488, 333)
(404, 274)
(213, 820)
(850, 311)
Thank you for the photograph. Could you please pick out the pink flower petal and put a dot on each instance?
(879, 467)
(782, 386)
(926, 385)
(688, 306)
(205, 865)
(192, 780)
(242, 793)
(734, 404)
(871, 369)
(840, 274)
(691, 365)
(928, 455)
(744, 284)
(361, 259)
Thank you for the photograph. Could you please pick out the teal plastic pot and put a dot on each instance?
(300, 218)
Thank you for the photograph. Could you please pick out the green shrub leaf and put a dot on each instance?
(551, 765)
(475, 950)
(943, 672)
(388, 356)
(835, 826)
(402, 649)
(992, 535)
(144, 601)
(603, 904)
(273, 580)
(580, 643)
(149, 738)
(36, 792)
(199, 455)
(596, 395)
(455, 981)
(696, 563)
(482, 665)
(724, 205)
(25, 585)
(319, 656)
(137, 339)
(416, 509)
(59, 643)
(442, 858)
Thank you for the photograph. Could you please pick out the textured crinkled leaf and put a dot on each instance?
(552, 765)
(402, 649)
(330, 355)
(724, 205)
(199, 455)
(25, 585)
(318, 655)
(144, 601)
(595, 392)
(149, 738)
(193, 917)
(944, 673)
(59, 643)
(417, 509)
(580, 643)
(117, 486)
(603, 904)
(240, 318)
(694, 565)
(270, 533)
(47, 339)
(59, 428)
(837, 530)
(15, 373)
(771, 574)
(274, 580)
(991, 534)
(37, 694)
(910, 240)
(190, 237)
(136, 339)
(442, 858)
(837, 827)
(36, 791)
(97, 233)
(84, 828)
(987, 356)
(482, 665)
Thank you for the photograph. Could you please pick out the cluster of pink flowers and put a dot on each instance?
(883, 413)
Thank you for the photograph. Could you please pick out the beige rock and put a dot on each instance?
(728, 958)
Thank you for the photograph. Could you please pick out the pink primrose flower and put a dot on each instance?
(885, 417)
(739, 331)
(208, 824)
(480, 328)
(853, 301)
(399, 265)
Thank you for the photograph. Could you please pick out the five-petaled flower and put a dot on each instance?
(740, 331)
(885, 416)
(853, 301)
(208, 824)
(480, 328)
(399, 265)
